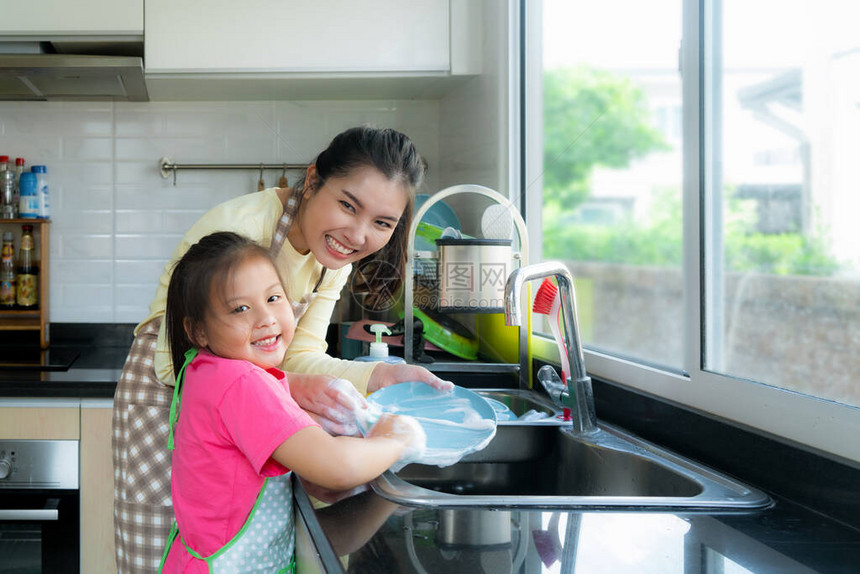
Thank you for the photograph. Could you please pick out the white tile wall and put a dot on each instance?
(116, 220)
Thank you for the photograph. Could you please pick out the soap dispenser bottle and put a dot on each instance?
(378, 349)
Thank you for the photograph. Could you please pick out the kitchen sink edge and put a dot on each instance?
(581, 462)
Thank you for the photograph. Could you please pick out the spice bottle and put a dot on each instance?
(8, 208)
(28, 199)
(7, 273)
(42, 191)
(19, 169)
(28, 271)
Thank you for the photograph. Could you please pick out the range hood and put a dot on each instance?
(71, 77)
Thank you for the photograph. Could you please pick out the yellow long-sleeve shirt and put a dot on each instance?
(256, 216)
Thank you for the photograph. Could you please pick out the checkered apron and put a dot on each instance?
(143, 511)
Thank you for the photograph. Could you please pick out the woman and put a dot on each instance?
(354, 206)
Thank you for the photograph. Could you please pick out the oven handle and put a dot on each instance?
(50, 512)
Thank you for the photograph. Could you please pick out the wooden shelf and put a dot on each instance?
(31, 319)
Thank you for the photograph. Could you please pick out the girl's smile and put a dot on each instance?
(249, 315)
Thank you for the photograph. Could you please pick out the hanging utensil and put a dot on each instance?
(282, 182)
(261, 185)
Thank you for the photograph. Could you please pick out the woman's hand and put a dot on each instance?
(385, 374)
(331, 402)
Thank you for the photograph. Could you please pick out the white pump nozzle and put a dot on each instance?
(378, 349)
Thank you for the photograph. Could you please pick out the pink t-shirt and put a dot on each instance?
(233, 416)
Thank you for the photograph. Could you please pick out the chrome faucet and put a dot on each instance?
(578, 382)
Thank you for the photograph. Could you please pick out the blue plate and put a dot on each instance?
(456, 422)
(440, 216)
(503, 413)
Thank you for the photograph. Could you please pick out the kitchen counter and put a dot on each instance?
(99, 352)
(813, 525)
(92, 375)
(378, 536)
(371, 535)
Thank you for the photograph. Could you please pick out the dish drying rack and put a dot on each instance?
(416, 258)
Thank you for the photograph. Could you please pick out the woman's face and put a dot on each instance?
(249, 316)
(348, 217)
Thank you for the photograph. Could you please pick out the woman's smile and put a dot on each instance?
(338, 247)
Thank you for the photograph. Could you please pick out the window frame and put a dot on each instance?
(807, 422)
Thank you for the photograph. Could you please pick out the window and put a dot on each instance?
(695, 164)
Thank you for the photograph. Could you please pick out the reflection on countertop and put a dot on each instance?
(376, 536)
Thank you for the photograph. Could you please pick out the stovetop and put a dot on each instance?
(28, 358)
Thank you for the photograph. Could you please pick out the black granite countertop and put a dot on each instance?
(813, 525)
(99, 352)
(368, 534)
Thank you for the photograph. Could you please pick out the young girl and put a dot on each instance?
(354, 206)
(237, 432)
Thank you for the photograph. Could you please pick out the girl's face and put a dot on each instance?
(249, 316)
(349, 217)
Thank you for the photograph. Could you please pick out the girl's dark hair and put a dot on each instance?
(214, 256)
(395, 156)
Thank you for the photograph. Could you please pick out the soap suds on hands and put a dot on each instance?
(458, 419)
(416, 448)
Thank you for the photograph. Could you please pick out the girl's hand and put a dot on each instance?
(331, 402)
(393, 426)
(406, 430)
(385, 374)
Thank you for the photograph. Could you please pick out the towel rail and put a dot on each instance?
(166, 165)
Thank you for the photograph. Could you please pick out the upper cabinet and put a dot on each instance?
(296, 36)
(264, 49)
(48, 19)
(267, 49)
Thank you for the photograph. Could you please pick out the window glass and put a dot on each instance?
(782, 97)
(612, 170)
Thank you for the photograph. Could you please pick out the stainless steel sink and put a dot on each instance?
(519, 439)
(544, 464)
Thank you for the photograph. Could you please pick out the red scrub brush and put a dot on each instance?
(548, 302)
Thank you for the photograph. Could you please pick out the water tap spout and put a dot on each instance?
(578, 383)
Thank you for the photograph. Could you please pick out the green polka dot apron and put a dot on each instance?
(266, 540)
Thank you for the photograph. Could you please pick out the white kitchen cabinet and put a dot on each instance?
(296, 36)
(88, 18)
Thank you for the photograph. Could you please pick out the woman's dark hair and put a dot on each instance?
(216, 255)
(395, 156)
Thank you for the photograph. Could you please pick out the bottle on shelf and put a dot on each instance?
(8, 206)
(42, 191)
(7, 273)
(19, 169)
(28, 204)
(28, 271)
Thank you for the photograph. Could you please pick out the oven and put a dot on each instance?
(39, 506)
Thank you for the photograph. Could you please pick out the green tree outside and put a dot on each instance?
(593, 118)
